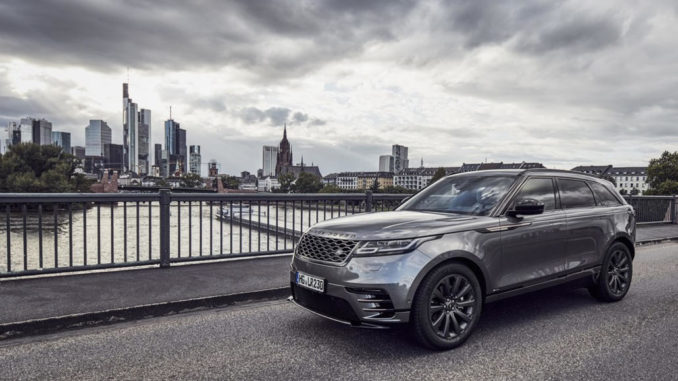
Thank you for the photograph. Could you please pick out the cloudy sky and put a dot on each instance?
(560, 82)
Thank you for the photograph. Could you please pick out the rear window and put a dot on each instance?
(575, 194)
(604, 196)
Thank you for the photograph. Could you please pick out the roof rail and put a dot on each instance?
(561, 171)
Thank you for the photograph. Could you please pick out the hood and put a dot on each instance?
(399, 224)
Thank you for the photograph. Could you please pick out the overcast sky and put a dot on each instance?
(560, 82)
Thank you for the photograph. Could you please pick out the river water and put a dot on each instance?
(90, 240)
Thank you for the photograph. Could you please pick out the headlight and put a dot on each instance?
(390, 247)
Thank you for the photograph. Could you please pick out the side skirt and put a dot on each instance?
(591, 272)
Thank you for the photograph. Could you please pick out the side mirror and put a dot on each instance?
(526, 207)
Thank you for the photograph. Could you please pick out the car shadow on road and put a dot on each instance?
(498, 319)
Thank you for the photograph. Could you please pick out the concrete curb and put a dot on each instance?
(90, 319)
(656, 241)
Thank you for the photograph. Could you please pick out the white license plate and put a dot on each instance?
(311, 282)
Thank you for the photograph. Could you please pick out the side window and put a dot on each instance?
(575, 194)
(540, 190)
(604, 196)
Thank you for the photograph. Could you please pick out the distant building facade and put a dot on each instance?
(113, 156)
(144, 151)
(97, 134)
(386, 163)
(62, 139)
(175, 146)
(400, 159)
(196, 160)
(284, 157)
(78, 152)
(628, 180)
(419, 178)
(269, 160)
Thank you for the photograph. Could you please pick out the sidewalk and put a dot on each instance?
(82, 299)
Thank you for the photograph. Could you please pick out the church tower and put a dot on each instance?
(284, 154)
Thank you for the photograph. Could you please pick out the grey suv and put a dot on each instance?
(466, 240)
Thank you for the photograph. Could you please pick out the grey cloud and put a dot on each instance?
(271, 39)
(299, 117)
(277, 116)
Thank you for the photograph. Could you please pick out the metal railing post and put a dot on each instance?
(164, 227)
(368, 201)
(673, 210)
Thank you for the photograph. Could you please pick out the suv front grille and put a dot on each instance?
(325, 249)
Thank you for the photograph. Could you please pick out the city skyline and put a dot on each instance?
(547, 83)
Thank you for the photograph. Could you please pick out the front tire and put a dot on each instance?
(615, 275)
(446, 307)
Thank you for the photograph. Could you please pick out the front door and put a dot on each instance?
(533, 247)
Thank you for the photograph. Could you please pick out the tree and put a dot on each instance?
(230, 182)
(635, 191)
(29, 167)
(662, 174)
(439, 174)
(375, 186)
(623, 192)
(610, 179)
(285, 180)
(192, 180)
(396, 189)
(307, 183)
(330, 188)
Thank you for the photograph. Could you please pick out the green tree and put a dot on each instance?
(396, 189)
(285, 180)
(307, 183)
(191, 180)
(662, 174)
(375, 186)
(623, 192)
(439, 174)
(330, 188)
(634, 191)
(610, 179)
(29, 167)
(230, 182)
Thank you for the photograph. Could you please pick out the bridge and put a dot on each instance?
(179, 323)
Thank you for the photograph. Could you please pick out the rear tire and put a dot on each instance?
(616, 272)
(446, 307)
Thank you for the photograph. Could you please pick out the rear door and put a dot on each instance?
(586, 224)
(533, 247)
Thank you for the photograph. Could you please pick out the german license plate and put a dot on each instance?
(311, 282)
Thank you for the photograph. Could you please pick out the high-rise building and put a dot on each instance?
(400, 160)
(270, 156)
(386, 163)
(96, 135)
(130, 132)
(78, 152)
(26, 130)
(157, 154)
(38, 131)
(113, 156)
(175, 145)
(9, 136)
(284, 158)
(62, 139)
(196, 160)
(144, 141)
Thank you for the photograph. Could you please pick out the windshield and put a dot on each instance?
(475, 195)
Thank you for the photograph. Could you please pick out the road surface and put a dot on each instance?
(554, 334)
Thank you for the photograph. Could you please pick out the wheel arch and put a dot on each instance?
(627, 241)
(465, 258)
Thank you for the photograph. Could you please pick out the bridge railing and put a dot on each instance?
(53, 233)
(654, 209)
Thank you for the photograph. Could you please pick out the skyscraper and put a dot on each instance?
(400, 160)
(113, 156)
(386, 163)
(130, 132)
(38, 131)
(26, 130)
(144, 141)
(270, 156)
(175, 145)
(96, 135)
(196, 159)
(62, 139)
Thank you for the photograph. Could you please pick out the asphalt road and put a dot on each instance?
(555, 334)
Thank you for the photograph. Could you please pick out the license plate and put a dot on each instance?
(311, 282)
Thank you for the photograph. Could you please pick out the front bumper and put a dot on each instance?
(366, 291)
